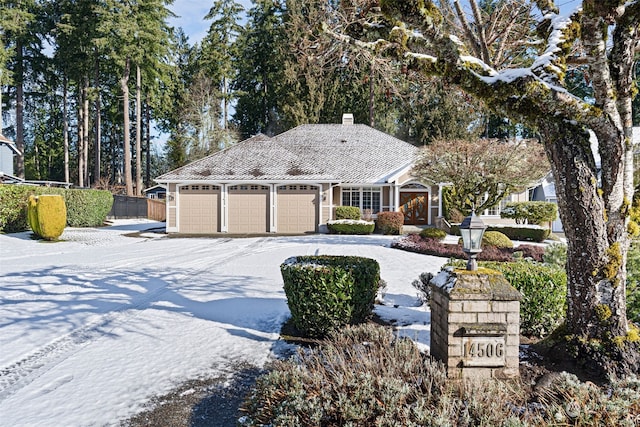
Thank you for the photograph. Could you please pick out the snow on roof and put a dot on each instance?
(328, 152)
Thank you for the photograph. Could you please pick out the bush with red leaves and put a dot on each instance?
(429, 246)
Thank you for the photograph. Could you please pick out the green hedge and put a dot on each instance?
(348, 226)
(85, 208)
(326, 292)
(530, 212)
(497, 239)
(544, 290)
(348, 212)
(433, 233)
(530, 233)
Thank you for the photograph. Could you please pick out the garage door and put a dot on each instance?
(199, 209)
(297, 209)
(248, 209)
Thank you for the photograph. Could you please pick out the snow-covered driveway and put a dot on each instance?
(92, 327)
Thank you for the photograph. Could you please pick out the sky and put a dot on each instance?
(94, 326)
(190, 16)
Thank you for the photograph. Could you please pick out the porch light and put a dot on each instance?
(472, 229)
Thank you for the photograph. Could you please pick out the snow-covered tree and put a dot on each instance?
(594, 200)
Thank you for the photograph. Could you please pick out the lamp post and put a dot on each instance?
(472, 229)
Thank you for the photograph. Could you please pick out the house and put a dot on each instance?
(545, 191)
(292, 182)
(155, 192)
(8, 150)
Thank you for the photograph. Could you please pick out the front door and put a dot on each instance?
(415, 207)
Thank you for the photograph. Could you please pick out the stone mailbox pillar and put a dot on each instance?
(475, 323)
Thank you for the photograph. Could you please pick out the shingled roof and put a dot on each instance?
(327, 152)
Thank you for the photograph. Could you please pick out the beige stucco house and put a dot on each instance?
(292, 182)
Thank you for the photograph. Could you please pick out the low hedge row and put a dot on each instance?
(85, 208)
(530, 233)
(326, 292)
(349, 226)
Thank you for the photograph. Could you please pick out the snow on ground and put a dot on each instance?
(95, 325)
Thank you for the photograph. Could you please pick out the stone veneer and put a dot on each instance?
(475, 324)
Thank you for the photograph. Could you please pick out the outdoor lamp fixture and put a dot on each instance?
(472, 229)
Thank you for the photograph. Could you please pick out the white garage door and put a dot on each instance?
(248, 209)
(199, 209)
(297, 209)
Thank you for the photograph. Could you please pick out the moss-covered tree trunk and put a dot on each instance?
(596, 237)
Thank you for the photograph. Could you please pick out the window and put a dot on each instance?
(362, 197)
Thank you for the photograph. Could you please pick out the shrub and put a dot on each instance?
(326, 292)
(423, 287)
(433, 233)
(497, 239)
(364, 376)
(530, 212)
(633, 282)
(390, 222)
(348, 212)
(85, 208)
(544, 290)
(415, 243)
(47, 215)
(348, 226)
(555, 254)
(532, 252)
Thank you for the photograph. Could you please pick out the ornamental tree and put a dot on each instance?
(594, 200)
(481, 172)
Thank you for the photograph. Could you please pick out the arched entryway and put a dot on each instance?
(414, 204)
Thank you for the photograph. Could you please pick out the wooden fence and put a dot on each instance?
(137, 207)
(156, 210)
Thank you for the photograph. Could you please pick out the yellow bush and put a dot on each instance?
(47, 216)
(32, 215)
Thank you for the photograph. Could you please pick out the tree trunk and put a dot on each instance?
(85, 129)
(147, 123)
(81, 141)
(65, 129)
(19, 78)
(97, 146)
(124, 85)
(138, 131)
(596, 252)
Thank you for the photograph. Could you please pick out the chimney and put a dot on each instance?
(347, 119)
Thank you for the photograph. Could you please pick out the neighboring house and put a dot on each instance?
(7, 151)
(546, 190)
(292, 182)
(155, 192)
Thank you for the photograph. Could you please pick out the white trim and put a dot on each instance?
(224, 208)
(273, 208)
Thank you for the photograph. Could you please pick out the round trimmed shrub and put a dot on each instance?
(497, 239)
(390, 222)
(327, 292)
(348, 212)
(47, 215)
(433, 233)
